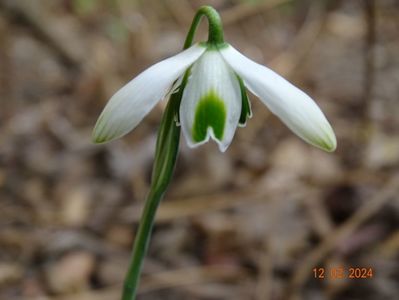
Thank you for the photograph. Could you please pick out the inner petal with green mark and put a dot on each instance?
(209, 113)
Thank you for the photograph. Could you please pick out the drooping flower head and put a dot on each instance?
(206, 86)
(214, 100)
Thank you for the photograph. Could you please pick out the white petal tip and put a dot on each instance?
(106, 131)
(191, 144)
(330, 147)
(101, 139)
(222, 148)
(328, 144)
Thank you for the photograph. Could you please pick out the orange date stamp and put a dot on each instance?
(343, 273)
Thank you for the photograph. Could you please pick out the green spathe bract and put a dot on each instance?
(245, 105)
(210, 113)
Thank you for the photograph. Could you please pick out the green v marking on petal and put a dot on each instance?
(209, 113)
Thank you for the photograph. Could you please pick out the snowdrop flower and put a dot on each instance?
(214, 100)
(207, 85)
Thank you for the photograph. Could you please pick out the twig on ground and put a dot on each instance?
(369, 58)
(366, 127)
(264, 284)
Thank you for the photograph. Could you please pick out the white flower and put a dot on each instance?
(214, 100)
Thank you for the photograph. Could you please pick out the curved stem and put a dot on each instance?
(165, 157)
(215, 28)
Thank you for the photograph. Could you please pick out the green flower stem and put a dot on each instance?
(215, 27)
(165, 159)
(167, 148)
(166, 151)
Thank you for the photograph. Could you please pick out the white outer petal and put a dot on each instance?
(134, 101)
(295, 108)
(211, 72)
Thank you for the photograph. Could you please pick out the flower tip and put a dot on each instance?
(330, 148)
(223, 149)
(97, 138)
(329, 144)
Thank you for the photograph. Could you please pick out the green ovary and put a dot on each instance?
(209, 113)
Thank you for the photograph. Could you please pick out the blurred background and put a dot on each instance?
(252, 223)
